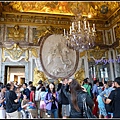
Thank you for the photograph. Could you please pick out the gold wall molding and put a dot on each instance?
(16, 52)
(97, 53)
(117, 31)
(35, 19)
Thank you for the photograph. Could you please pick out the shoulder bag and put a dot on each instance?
(87, 112)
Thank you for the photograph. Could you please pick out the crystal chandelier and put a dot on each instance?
(80, 36)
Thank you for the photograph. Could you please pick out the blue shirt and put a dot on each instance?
(100, 102)
(106, 92)
(95, 90)
(42, 95)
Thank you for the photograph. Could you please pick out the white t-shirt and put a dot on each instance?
(37, 95)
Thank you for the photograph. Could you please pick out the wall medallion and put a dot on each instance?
(57, 60)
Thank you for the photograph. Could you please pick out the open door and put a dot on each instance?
(15, 74)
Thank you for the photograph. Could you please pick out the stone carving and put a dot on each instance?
(15, 51)
(16, 33)
(59, 55)
(57, 60)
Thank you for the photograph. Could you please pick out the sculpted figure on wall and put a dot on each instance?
(38, 75)
(80, 75)
(57, 60)
(59, 55)
(16, 33)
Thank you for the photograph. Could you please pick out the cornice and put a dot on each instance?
(43, 19)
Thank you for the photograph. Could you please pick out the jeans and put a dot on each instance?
(54, 111)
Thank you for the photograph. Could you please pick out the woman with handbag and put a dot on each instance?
(51, 100)
(75, 97)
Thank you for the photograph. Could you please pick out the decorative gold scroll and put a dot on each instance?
(15, 52)
(80, 75)
(39, 75)
(96, 53)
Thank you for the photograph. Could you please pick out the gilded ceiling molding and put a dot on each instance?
(36, 19)
(63, 21)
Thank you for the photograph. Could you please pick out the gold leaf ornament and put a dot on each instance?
(34, 52)
(80, 75)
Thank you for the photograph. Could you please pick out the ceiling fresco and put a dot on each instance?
(97, 10)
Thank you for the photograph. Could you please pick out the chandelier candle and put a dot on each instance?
(70, 30)
(78, 26)
(80, 37)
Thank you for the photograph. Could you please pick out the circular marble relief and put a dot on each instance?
(57, 60)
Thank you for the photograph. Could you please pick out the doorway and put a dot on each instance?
(14, 74)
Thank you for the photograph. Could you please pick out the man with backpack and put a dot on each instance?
(64, 101)
(87, 86)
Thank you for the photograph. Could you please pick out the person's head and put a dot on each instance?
(24, 97)
(17, 89)
(43, 89)
(74, 87)
(65, 81)
(33, 88)
(30, 83)
(1, 84)
(3, 88)
(86, 81)
(113, 84)
(96, 82)
(51, 88)
(117, 82)
(105, 84)
(109, 83)
(100, 84)
(8, 86)
(59, 86)
(40, 84)
(25, 85)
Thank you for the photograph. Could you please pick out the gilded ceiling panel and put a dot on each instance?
(98, 10)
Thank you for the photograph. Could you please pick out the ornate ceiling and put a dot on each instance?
(97, 10)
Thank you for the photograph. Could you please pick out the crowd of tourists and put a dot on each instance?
(68, 99)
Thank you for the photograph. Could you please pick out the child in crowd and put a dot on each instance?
(42, 102)
(24, 105)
